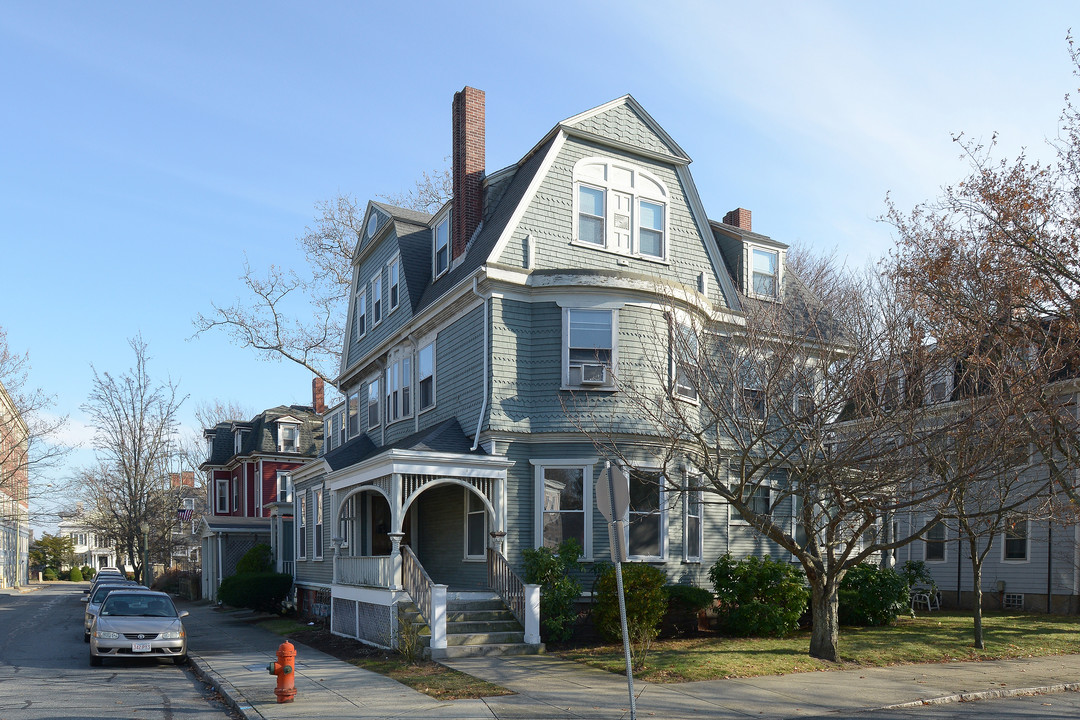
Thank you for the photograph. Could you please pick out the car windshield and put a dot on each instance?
(102, 591)
(138, 606)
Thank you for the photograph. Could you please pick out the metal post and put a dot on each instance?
(615, 532)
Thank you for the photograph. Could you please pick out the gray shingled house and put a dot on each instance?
(467, 331)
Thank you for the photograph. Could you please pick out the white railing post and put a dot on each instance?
(437, 621)
(395, 555)
(337, 561)
(532, 614)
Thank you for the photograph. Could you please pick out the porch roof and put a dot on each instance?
(215, 525)
(446, 437)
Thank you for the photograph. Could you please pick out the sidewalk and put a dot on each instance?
(232, 655)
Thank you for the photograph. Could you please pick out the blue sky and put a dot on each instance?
(148, 148)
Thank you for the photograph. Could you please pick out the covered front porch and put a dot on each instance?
(414, 525)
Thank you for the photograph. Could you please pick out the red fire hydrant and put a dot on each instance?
(285, 669)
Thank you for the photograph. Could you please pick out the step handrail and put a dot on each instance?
(416, 581)
(506, 583)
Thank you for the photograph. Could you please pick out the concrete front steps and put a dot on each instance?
(477, 623)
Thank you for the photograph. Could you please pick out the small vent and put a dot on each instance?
(593, 374)
(1013, 601)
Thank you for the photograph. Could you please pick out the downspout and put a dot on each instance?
(1049, 564)
(413, 374)
(483, 405)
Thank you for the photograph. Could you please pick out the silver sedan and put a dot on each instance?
(135, 624)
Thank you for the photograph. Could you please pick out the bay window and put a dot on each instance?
(646, 527)
(425, 367)
(398, 389)
(589, 350)
(373, 403)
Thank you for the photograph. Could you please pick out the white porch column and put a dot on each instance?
(438, 616)
(532, 614)
(396, 501)
(395, 559)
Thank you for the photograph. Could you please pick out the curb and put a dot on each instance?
(986, 695)
(229, 694)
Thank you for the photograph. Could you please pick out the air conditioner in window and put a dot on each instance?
(594, 374)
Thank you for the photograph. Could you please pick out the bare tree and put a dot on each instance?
(28, 435)
(135, 419)
(299, 314)
(784, 413)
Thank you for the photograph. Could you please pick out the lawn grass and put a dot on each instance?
(937, 637)
(283, 626)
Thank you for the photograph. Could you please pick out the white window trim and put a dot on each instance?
(220, 483)
(584, 464)
(465, 556)
(678, 327)
(445, 217)
(317, 526)
(610, 385)
(288, 486)
(373, 382)
(944, 544)
(354, 393)
(395, 262)
(662, 197)
(751, 248)
(236, 483)
(1027, 546)
(434, 378)
(662, 510)
(687, 557)
(301, 525)
(360, 311)
(394, 408)
(376, 299)
(281, 437)
(735, 517)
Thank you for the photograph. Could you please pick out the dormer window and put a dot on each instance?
(209, 446)
(620, 208)
(394, 272)
(238, 441)
(766, 275)
(288, 438)
(442, 244)
(372, 225)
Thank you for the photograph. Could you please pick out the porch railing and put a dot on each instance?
(429, 597)
(522, 599)
(370, 571)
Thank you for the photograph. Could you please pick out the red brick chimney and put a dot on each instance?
(318, 396)
(469, 136)
(739, 217)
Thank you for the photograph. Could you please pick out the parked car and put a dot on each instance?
(103, 577)
(95, 598)
(138, 624)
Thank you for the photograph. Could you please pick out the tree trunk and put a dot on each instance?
(976, 574)
(826, 633)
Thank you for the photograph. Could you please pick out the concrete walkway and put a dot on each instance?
(233, 654)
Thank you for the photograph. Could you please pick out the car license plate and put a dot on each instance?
(140, 647)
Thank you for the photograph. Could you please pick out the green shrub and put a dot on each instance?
(916, 574)
(871, 596)
(646, 603)
(684, 604)
(559, 589)
(758, 596)
(49, 574)
(258, 559)
(258, 591)
(75, 575)
(88, 572)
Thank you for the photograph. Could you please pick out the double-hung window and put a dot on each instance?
(442, 245)
(376, 299)
(328, 436)
(373, 403)
(475, 527)
(360, 314)
(646, 526)
(766, 272)
(684, 362)
(1014, 547)
(398, 389)
(425, 368)
(759, 501)
(317, 521)
(288, 438)
(563, 505)
(692, 523)
(934, 544)
(620, 208)
(222, 496)
(301, 524)
(393, 273)
(590, 348)
(284, 487)
(354, 413)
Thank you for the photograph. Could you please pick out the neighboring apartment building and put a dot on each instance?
(248, 472)
(189, 501)
(90, 548)
(469, 333)
(14, 495)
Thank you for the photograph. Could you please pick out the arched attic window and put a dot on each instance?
(621, 208)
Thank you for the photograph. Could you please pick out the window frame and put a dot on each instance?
(943, 542)
(766, 487)
(281, 446)
(393, 276)
(398, 391)
(317, 523)
(612, 175)
(360, 314)
(685, 391)
(301, 525)
(1027, 543)
(466, 557)
(352, 413)
(235, 484)
(373, 387)
(437, 246)
(288, 486)
(420, 407)
(376, 299)
(568, 364)
(660, 512)
(221, 484)
(693, 499)
(752, 289)
(539, 486)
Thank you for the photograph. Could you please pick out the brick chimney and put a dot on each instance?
(318, 396)
(739, 217)
(469, 136)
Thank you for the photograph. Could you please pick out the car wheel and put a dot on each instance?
(180, 659)
(95, 661)
(86, 637)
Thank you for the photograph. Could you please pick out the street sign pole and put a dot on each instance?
(614, 515)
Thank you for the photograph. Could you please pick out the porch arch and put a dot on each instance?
(468, 483)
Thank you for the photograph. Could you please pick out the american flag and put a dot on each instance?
(183, 514)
